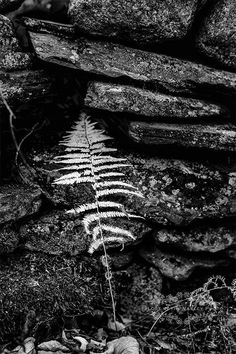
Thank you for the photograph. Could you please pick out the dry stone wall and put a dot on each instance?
(173, 118)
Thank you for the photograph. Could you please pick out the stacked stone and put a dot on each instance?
(159, 103)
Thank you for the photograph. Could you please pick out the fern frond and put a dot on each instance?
(89, 219)
(91, 206)
(125, 191)
(71, 180)
(106, 184)
(111, 174)
(112, 239)
(113, 229)
(104, 159)
(111, 167)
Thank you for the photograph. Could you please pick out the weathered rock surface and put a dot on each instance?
(217, 35)
(17, 202)
(117, 61)
(11, 55)
(45, 285)
(21, 87)
(128, 99)
(213, 137)
(58, 233)
(204, 239)
(177, 267)
(138, 21)
(9, 240)
(9, 5)
(178, 192)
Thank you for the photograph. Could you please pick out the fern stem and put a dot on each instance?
(109, 275)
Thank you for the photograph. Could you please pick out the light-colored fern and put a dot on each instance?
(87, 160)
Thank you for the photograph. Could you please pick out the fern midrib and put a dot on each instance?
(99, 223)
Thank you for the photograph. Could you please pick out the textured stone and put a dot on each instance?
(217, 35)
(45, 285)
(9, 240)
(17, 201)
(204, 239)
(58, 233)
(9, 5)
(175, 266)
(117, 61)
(11, 55)
(25, 86)
(178, 192)
(128, 99)
(213, 137)
(139, 21)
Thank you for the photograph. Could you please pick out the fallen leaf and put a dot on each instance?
(26, 348)
(53, 346)
(123, 345)
(116, 325)
(82, 341)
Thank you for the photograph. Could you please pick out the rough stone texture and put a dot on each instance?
(175, 266)
(118, 98)
(11, 55)
(45, 285)
(17, 201)
(217, 35)
(213, 137)
(198, 239)
(9, 240)
(58, 233)
(138, 288)
(178, 192)
(24, 86)
(117, 61)
(139, 21)
(9, 5)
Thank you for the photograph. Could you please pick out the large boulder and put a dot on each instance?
(11, 55)
(217, 36)
(142, 22)
(156, 106)
(110, 60)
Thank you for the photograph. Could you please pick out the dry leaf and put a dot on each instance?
(26, 348)
(53, 346)
(82, 341)
(123, 345)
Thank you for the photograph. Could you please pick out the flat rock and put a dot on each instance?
(17, 202)
(117, 61)
(177, 192)
(24, 86)
(45, 284)
(177, 267)
(216, 137)
(128, 99)
(139, 21)
(9, 5)
(217, 36)
(11, 55)
(205, 239)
